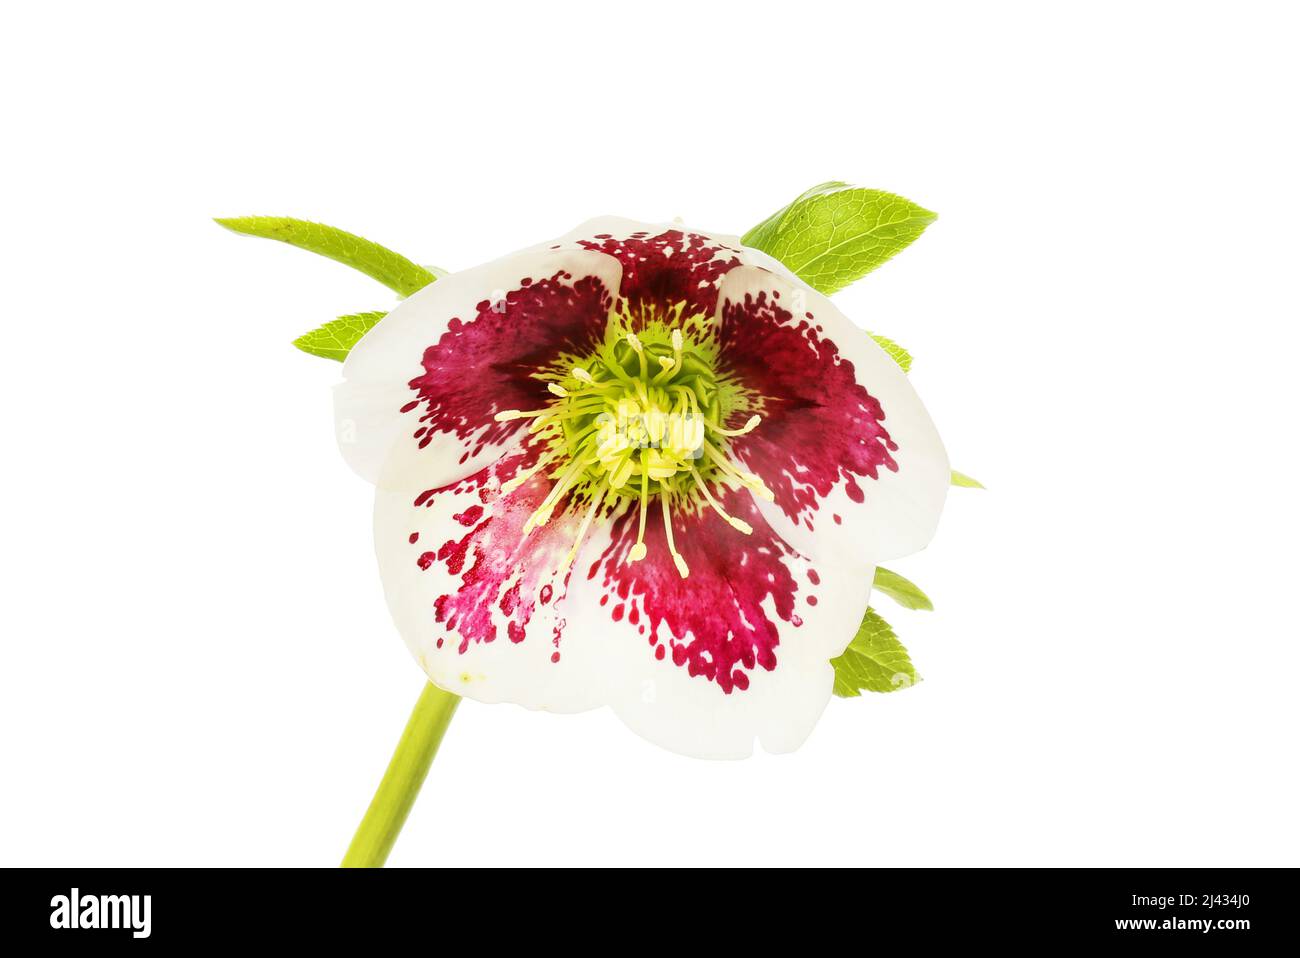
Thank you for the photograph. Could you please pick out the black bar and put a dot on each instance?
(1228, 909)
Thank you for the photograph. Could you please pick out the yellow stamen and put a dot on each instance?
(591, 391)
(542, 423)
(731, 520)
(637, 552)
(510, 485)
(560, 412)
(620, 475)
(751, 481)
(543, 512)
(670, 367)
(582, 533)
(640, 355)
(615, 428)
(746, 428)
(683, 569)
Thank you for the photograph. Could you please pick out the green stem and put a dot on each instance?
(401, 783)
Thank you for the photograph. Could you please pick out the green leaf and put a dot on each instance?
(835, 233)
(903, 591)
(961, 479)
(875, 661)
(896, 352)
(336, 338)
(774, 224)
(392, 269)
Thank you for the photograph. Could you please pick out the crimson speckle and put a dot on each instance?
(453, 552)
(470, 516)
(672, 267)
(533, 326)
(808, 390)
(510, 599)
(425, 560)
(494, 552)
(413, 538)
(718, 616)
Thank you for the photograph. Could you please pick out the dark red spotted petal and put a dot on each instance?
(704, 665)
(844, 443)
(739, 645)
(423, 387)
(476, 599)
(663, 267)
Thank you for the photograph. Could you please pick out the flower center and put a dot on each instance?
(639, 419)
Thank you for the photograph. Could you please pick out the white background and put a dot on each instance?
(198, 665)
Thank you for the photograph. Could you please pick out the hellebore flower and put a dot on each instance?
(639, 466)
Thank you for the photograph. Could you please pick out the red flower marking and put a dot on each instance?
(815, 414)
(720, 606)
(470, 516)
(504, 574)
(483, 366)
(673, 267)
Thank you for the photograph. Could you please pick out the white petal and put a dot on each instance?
(456, 656)
(374, 435)
(588, 645)
(691, 715)
(895, 513)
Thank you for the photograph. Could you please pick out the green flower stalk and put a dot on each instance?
(401, 783)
